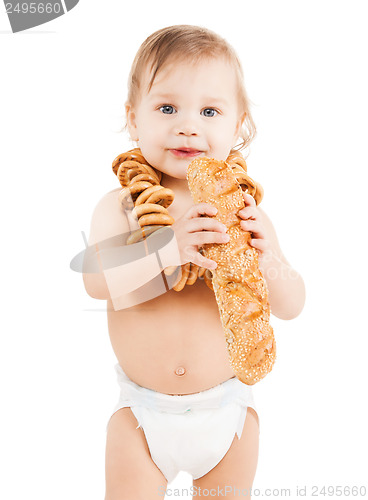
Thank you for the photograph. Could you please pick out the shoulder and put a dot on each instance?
(108, 218)
(272, 235)
(107, 199)
(111, 194)
(108, 205)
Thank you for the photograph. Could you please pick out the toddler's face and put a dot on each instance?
(190, 111)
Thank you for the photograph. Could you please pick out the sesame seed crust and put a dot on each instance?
(239, 286)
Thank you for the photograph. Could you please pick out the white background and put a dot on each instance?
(63, 87)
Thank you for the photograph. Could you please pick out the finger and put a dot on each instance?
(200, 260)
(248, 199)
(201, 209)
(202, 237)
(204, 262)
(248, 212)
(205, 224)
(252, 226)
(259, 244)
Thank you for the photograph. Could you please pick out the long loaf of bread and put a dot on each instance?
(240, 289)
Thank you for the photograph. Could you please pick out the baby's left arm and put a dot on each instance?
(286, 290)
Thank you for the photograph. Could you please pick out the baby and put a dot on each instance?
(181, 408)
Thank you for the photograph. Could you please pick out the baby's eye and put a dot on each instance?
(209, 112)
(167, 109)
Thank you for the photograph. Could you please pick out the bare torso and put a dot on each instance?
(174, 343)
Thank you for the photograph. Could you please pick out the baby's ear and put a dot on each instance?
(131, 122)
(239, 125)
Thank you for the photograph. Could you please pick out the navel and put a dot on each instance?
(180, 371)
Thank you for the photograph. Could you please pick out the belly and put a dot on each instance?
(174, 343)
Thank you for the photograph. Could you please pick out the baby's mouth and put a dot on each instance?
(185, 152)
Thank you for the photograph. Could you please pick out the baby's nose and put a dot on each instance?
(187, 131)
(187, 127)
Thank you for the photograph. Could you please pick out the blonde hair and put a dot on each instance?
(181, 43)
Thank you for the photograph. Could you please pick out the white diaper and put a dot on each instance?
(189, 433)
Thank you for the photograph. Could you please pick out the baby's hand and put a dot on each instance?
(192, 231)
(252, 222)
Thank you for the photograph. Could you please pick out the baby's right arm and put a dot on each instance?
(109, 230)
(117, 272)
(107, 221)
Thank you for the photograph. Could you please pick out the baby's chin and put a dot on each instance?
(178, 171)
(182, 175)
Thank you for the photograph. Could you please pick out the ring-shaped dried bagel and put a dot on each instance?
(193, 274)
(246, 185)
(155, 219)
(208, 278)
(141, 234)
(249, 185)
(136, 154)
(133, 154)
(237, 170)
(163, 197)
(130, 174)
(143, 197)
(130, 168)
(149, 208)
(184, 276)
(123, 194)
(139, 187)
(258, 196)
(243, 177)
(201, 272)
(170, 270)
(144, 177)
(127, 170)
(150, 195)
(237, 160)
(130, 164)
(116, 163)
